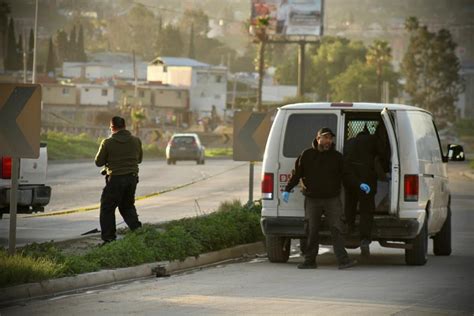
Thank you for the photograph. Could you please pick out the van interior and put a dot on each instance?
(372, 123)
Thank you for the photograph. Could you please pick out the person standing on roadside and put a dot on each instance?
(320, 168)
(120, 154)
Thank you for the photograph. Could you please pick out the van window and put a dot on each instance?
(301, 131)
(356, 126)
(426, 138)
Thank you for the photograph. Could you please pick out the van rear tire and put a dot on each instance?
(278, 248)
(442, 240)
(418, 255)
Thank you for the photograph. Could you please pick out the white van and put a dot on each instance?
(411, 206)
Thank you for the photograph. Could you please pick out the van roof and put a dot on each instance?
(351, 106)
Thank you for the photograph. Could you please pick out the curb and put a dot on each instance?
(468, 174)
(64, 285)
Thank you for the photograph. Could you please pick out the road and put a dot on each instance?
(380, 285)
(193, 189)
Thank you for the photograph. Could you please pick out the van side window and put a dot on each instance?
(426, 138)
(301, 130)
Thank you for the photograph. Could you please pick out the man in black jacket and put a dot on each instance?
(120, 154)
(320, 169)
(360, 181)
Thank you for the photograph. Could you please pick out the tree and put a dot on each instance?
(191, 53)
(198, 19)
(31, 47)
(62, 45)
(379, 55)
(81, 54)
(287, 73)
(71, 51)
(10, 61)
(19, 53)
(51, 60)
(431, 69)
(359, 83)
(169, 42)
(4, 12)
(332, 58)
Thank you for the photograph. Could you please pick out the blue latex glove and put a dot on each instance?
(285, 196)
(365, 187)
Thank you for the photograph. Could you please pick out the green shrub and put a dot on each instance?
(65, 146)
(232, 224)
(19, 269)
(152, 151)
(219, 152)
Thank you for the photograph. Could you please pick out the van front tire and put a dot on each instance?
(278, 248)
(442, 240)
(418, 254)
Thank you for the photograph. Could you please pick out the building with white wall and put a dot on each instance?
(94, 94)
(207, 84)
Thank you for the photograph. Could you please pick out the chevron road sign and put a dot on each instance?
(20, 120)
(250, 135)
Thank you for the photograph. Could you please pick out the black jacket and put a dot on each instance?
(359, 162)
(120, 153)
(320, 172)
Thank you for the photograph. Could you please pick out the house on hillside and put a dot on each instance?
(207, 84)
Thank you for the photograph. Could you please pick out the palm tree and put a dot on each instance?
(379, 54)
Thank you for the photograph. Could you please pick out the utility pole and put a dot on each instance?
(33, 75)
(135, 93)
(25, 59)
(301, 51)
(261, 72)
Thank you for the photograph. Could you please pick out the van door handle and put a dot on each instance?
(427, 175)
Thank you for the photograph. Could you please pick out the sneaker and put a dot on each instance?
(307, 265)
(347, 264)
(364, 248)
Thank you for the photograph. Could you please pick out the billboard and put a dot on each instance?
(290, 17)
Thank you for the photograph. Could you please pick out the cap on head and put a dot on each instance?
(325, 131)
(117, 122)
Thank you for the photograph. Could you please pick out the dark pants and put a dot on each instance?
(332, 209)
(366, 209)
(119, 191)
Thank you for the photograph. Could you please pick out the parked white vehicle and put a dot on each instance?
(411, 206)
(33, 194)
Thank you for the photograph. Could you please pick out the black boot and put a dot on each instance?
(308, 264)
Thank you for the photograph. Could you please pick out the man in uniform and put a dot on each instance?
(120, 154)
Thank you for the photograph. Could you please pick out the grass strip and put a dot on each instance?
(231, 225)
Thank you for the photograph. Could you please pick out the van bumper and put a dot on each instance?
(384, 228)
(283, 226)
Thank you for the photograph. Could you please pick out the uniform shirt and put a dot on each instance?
(120, 153)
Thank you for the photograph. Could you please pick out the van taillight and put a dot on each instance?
(411, 187)
(6, 168)
(267, 186)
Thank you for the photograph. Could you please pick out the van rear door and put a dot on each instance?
(298, 134)
(388, 119)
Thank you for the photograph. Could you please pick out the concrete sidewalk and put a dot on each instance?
(53, 287)
(468, 174)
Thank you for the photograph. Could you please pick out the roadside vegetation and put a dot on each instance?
(219, 152)
(465, 130)
(231, 225)
(63, 146)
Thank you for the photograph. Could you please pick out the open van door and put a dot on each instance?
(395, 161)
